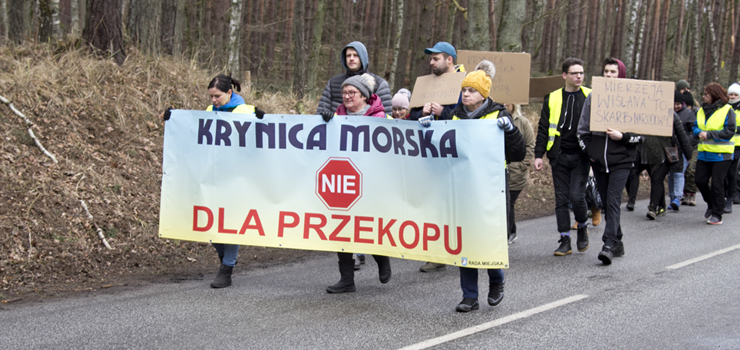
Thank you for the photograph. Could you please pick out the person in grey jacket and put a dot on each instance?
(355, 61)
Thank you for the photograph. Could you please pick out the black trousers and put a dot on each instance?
(658, 173)
(610, 187)
(732, 185)
(713, 194)
(569, 178)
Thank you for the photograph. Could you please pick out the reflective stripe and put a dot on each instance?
(555, 105)
(714, 124)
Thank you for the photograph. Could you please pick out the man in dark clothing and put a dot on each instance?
(610, 168)
(557, 135)
(688, 117)
(442, 60)
(355, 61)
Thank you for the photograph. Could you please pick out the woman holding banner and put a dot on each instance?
(715, 126)
(358, 99)
(477, 105)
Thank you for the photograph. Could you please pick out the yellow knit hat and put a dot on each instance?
(479, 81)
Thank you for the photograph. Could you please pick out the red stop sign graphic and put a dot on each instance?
(339, 183)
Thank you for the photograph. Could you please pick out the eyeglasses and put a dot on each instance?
(399, 109)
(575, 73)
(349, 94)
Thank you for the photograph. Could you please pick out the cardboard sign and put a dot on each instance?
(443, 89)
(541, 87)
(640, 106)
(511, 83)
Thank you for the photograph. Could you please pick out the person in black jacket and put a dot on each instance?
(612, 156)
(477, 105)
(556, 136)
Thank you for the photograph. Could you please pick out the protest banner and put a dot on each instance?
(511, 82)
(640, 106)
(354, 184)
(443, 89)
(541, 87)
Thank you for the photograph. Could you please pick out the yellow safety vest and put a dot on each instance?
(555, 103)
(736, 139)
(239, 109)
(714, 124)
(492, 115)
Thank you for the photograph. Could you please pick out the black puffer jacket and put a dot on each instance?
(607, 154)
(514, 147)
(331, 98)
(652, 148)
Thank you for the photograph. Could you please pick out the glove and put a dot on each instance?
(327, 115)
(505, 124)
(167, 114)
(259, 113)
(426, 121)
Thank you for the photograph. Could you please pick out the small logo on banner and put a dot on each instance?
(464, 262)
(339, 183)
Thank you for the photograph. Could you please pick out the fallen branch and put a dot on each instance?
(100, 232)
(30, 125)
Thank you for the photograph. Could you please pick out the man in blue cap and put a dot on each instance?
(442, 60)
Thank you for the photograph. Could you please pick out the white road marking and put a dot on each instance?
(703, 257)
(495, 323)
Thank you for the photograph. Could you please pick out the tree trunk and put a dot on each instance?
(15, 21)
(714, 40)
(235, 18)
(593, 30)
(477, 37)
(679, 29)
(45, 27)
(103, 28)
(735, 61)
(396, 44)
(571, 41)
(143, 24)
(299, 49)
(318, 29)
(510, 29)
(75, 17)
(4, 18)
(639, 40)
(168, 19)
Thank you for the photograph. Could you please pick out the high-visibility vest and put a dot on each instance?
(238, 109)
(555, 104)
(714, 124)
(736, 139)
(492, 115)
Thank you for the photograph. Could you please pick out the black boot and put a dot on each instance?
(630, 204)
(223, 279)
(495, 294)
(728, 206)
(221, 258)
(347, 281)
(384, 267)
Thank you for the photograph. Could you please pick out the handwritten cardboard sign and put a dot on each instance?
(443, 89)
(541, 87)
(511, 82)
(640, 106)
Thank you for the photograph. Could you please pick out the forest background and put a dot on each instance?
(94, 75)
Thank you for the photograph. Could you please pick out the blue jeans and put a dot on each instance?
(469, 280)
(676, 182)
(228, 251)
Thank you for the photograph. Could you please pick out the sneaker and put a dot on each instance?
(564, 248)
(692, 199)
(675, 204)
(708, 213)
(467, 305)
(660, 211)
(431, 267)
(631, 204)
(582, 240)
(728, 206)
(685, 199)
(651, 214)
(512, 237)
(618, 249)
(714, 220)
(606, 255)
(495, 294)
(736, 200)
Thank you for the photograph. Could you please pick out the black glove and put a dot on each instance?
(259, 113)
(167, 114)
(327, 115)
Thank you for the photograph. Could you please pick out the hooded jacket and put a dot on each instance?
(606, 154)
(514, 147)
(331, 98)
(375, 110)
(570, 115)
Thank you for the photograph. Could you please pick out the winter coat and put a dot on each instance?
(331, 98)
(688, 118)
(514, 147)
(652, 148)
(566, 126)
(727, 132)
(447, 111)
(519, 171)
(376, 108)
(606, 154)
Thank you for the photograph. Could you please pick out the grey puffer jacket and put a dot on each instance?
(331, 98)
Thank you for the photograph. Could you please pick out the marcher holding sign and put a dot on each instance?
(442, 60)
(511, 84)
(715, 127)
(612, 154)
(476, 104)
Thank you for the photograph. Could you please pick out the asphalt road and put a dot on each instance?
(677, 287)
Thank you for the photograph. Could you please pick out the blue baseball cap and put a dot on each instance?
(442, 47)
